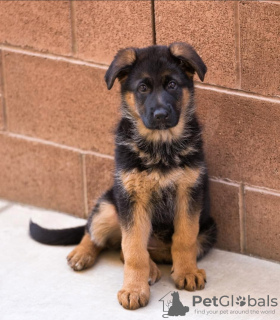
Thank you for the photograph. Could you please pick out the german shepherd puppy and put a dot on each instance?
(158, 207)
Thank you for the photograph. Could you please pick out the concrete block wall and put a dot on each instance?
(57, 117)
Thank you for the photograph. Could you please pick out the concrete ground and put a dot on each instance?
(36, 282)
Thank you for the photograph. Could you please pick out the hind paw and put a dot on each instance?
(80, 259)
(155, 273)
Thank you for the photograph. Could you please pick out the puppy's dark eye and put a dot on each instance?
(172, 85)
(142, 88)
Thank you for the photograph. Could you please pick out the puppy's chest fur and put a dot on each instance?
(159, 194)
(141, 184)
(150, 167)
(163, 157)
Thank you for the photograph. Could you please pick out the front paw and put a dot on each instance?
(133, 298)
(190, 280)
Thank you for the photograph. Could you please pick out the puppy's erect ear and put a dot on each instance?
(189, 58)
(120, 66)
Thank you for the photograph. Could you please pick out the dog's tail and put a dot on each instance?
(54, 237)
(207, 237)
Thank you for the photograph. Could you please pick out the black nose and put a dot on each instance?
(161, 114)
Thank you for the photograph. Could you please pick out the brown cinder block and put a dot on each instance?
(260, 46)
(209, 27)
(263, 224)
(241, 137)
(225, 211)
(42, 25)
(61, 102)
(99, 176)
(41, 175)
(103, 27)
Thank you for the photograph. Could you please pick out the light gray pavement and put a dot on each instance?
(36, 283)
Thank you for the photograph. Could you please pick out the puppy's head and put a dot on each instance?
(156, 81)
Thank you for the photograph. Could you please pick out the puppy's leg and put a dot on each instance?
(184, 245)
(103, 229)
(136, 292)
(155, 273)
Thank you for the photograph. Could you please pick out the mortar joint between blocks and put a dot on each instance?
(84, 188)
(237, 46)
(242, 218)
(3, 94)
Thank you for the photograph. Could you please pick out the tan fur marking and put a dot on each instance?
(105, 226)
(123, 79)
(177, 49)
(136, 182)
(147, 159)
(137, 185)
(130, 101)
(127, 57)
(142, 184)
(153, 135)
(177, 131)
(190, 75)
(188, 151)
(186, 98)
(145, 75)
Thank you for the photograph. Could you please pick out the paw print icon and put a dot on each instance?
(241, 301)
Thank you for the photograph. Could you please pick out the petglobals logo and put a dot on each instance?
(231, 301)
(223, 305)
